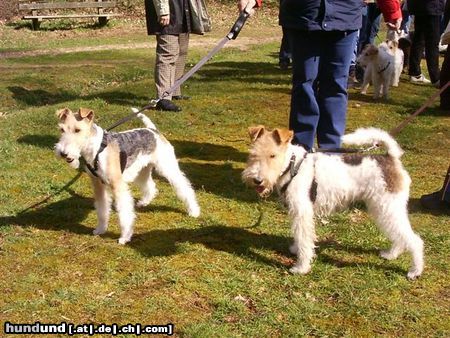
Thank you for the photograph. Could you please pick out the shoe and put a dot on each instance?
(434, 201)
(167, 105)
(181, 97)
(419, 79)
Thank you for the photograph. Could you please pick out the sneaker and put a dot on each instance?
(419, 79)
(167, 105)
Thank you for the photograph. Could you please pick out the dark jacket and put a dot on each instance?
(328, 15)
(179, 18)
(426, 7)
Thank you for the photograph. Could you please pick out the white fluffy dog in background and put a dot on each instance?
(383, 67)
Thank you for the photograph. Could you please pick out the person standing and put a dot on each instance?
(427, 23)
(172, 21)
(323, 36)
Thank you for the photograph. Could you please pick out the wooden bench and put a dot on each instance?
(38, 10)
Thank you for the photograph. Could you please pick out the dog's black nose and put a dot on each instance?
(63, 154)
(257, 181)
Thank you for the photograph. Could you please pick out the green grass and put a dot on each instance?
(226, 273)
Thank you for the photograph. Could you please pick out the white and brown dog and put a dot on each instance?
(383, 67)
(113, 160)
(317, 184)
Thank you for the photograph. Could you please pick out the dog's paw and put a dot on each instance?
(99, 230)
(141, 204)
(124, 240)
(413, 273)
(300, 269)
(194, 211)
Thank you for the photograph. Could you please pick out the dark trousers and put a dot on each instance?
(285, 54)
(320, 65)
(445, 77)
(426, 34)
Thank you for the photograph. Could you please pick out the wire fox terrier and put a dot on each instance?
(317, 184)
(383, 67)
(113, 160)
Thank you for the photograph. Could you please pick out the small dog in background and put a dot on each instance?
(318, 184)
(383, 67)
(113, 160)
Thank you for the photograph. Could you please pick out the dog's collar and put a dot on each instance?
(385, 67)
(93, 169)
(292, 169)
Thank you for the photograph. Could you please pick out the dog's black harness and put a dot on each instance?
(93, 169)
(386, 67)
(292, 169)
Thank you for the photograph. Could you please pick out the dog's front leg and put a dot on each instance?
(102, 205)
(304, 237)
(366, 81)
(125, 208)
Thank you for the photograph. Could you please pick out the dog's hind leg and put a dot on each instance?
(102, 205)
(392, 218)
(148, 187)
(167, 166)
(304, 237)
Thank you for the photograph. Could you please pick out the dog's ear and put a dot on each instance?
(86, 113)
(256, 132)
(63, 113)
(282, 136)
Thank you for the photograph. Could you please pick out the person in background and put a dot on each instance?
(323, 36)
(427, 23)
(172, 21)
(445, 72)
(284, 55)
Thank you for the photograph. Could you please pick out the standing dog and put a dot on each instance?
(316, 184)
(115, 159)
(383, 67)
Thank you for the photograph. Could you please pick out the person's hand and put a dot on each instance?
(164, 20)
(247, 5)
(395, 25)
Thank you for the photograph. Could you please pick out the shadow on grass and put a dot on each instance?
(40, 97)
(242, 71)
(42, 141)
(207, 151)
(55, 216)
(415, 207)
(242, 242)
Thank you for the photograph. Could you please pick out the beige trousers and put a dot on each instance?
(171, 54)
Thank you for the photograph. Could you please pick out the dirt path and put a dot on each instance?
(207, 42)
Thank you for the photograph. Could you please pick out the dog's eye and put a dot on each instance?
(272, 156)
(77, 130)
(61, 130)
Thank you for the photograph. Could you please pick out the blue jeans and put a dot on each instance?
(320, 65)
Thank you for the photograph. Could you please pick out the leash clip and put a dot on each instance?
(373, 147)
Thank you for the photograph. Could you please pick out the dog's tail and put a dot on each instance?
(374, 137)
(147, 122)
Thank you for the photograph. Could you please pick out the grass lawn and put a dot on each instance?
(226, 273)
